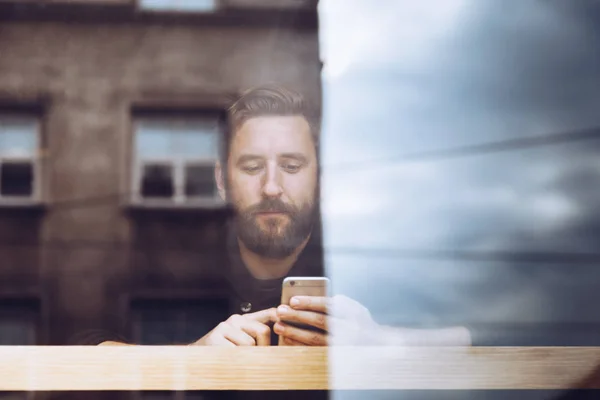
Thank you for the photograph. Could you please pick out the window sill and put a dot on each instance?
(24, 205)
(168, 206)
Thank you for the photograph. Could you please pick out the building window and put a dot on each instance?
(19, 164)
(179, 5)
(19, 322)
(175, 158)
(168, 322)
(18, 327)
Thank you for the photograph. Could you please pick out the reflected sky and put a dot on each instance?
(18, 136)
(179, 5)
(168, 138)
(403, 79)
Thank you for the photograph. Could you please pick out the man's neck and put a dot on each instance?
(269, 268)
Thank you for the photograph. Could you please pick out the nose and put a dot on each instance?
(272, 182)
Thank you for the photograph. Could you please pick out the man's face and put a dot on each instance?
(272, 181)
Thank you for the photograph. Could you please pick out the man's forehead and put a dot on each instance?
(273, 135)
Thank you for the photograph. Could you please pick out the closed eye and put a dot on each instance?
(251, 169)
(291, 168)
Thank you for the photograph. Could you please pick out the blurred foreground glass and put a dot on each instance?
(460, 165)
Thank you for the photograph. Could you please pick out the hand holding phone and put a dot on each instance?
(317, 287)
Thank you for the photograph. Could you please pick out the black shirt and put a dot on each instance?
(246, 294)
(249, 294)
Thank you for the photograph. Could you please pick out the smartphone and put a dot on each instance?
(303, 286)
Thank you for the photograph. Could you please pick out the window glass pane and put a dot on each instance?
(153, 140)
(201, 318)
(157, 181)
(15, 331)
(18, 136)
(158, 326)
(198, 141)
(168, 322)
(16, 179)
(182, 5)
(200, 180)
(18, 323)
(177, 138)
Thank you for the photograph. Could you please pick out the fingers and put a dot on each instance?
(339, 306)
(221, 341)
(259, 332)
(301, 336)
(316, 319)
(236, 335)
(263, 316)
(290, 342)
(310, 303)
(242, 330)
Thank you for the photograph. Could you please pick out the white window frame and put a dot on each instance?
(35, 161)
(178, 163)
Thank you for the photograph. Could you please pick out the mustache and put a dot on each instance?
(271, 205)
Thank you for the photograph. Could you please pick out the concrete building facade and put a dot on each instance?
(104, 215)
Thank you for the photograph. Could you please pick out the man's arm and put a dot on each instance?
(241, 330)
(237, 330)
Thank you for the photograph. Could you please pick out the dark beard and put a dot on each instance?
(270, 243)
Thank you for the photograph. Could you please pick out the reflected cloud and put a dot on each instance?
(363, 33)
(480, 72)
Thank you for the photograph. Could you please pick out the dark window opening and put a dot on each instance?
(169, 322)
(16, 179)
(200, 181)
(157, 181)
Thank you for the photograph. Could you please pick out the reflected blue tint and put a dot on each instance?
(504, 301)
(450, 73)
(461, 167)
(177, 138)
(179, 5)
(18, 136)
(538, 199)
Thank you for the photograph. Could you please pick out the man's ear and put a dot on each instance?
(219, 179)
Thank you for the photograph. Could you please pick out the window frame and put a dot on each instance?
(35, 159)
(179, 200)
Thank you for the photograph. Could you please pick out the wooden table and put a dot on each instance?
(272, 368)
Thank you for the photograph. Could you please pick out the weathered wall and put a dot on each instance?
(91, 73)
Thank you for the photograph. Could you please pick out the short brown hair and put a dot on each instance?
(268, 100)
